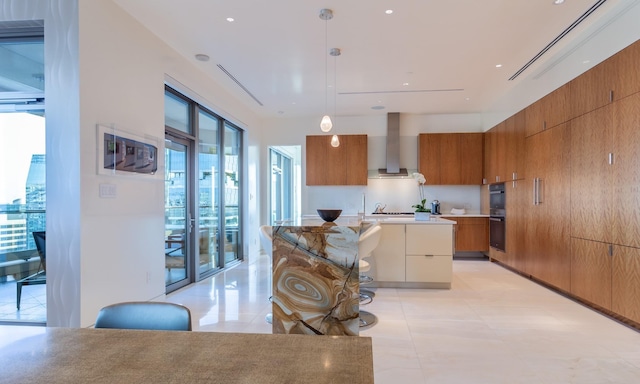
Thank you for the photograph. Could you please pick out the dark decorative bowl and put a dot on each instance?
(329, 214)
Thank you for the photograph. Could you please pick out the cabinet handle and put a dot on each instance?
(484, 181)
(610, 158)
(544, 125)
(535, 191)
(611, 96)
(429, 255)
(539, 194)
(610, 250)
(497, 179)
(514, 175)
(513, 184)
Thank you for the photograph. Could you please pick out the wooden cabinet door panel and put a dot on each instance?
(591, 271)
(489, 158)
(389, 256)
(357, 157)
(517, 143)
(627, 78)
(429, 157)
(500, 140)
(625, 291)
(556, 202)
(316, 149)
(591, 175)
(626, 207)
(344, 165)
(556, 107)
(534, 118)
(547, 226)
(472, 234)
(471, 158)
(591, 90)
(449, 161)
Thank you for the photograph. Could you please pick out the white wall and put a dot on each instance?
(101, 66)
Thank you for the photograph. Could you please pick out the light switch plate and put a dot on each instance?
(108, 191)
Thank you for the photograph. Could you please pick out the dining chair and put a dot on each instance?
(150, 315)
(367, 243)
(40, 277)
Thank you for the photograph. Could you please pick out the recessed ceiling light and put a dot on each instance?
(467, 98)
(230, 19)
(378, 107)
(558, 2)
(586, 61)
(202, 57)
(498, 65)
(405, 84)
(388, 11)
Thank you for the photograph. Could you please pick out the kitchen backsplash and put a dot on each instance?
(397, 194)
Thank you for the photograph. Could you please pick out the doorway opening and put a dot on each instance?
(285, 184)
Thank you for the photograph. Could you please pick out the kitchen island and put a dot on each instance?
(413, 254)
(316, 277)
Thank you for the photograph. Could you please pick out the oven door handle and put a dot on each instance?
(496, 219)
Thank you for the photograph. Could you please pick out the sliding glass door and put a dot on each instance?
(215, 189)
(177, 217)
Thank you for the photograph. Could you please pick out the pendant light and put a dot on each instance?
(335, 52)
(326, 124)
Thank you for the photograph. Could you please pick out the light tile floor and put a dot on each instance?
(493, 326)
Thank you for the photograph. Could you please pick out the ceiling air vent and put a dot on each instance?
(223, 69)
(553, 42)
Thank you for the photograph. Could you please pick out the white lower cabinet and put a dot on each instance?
(414, 255)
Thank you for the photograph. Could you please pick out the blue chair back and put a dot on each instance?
(145, 315)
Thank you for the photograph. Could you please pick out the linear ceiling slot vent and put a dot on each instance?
(223, 69)
(573, 25)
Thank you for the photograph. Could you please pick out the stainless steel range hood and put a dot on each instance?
(393, 149)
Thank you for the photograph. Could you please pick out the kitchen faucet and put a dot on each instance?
(379, 208)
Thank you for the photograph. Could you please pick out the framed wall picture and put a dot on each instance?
(124, 152)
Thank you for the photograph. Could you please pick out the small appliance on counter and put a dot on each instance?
(435, 207)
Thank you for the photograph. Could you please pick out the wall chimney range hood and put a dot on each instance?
(393, 149)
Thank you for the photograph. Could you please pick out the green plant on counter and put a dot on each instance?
(421, 181)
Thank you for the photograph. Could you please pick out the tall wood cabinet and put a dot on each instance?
(344, 165)
(547, 214)
(575, 210)
(451, 158)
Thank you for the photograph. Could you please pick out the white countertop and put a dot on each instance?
(434, 220)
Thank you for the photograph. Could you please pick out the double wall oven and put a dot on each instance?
(497, 203)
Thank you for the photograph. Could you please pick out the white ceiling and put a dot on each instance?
(446, 51)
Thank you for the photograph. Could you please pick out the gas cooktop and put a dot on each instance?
(392, 213)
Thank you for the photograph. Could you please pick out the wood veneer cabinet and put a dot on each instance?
(592, 176)
(451, 158)
(591, 271)
(547, 214)
(344, 165)
(613, 79)
(472, 234)
(625, 287)
(605, 173)
(549, 111)
(504, 150)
